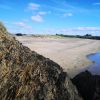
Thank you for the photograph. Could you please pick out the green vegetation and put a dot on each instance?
(19, 34)
(87, 36)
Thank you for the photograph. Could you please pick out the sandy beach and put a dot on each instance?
(69, 53)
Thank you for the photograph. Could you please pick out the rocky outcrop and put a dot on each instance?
(88, 85)
(26, 75)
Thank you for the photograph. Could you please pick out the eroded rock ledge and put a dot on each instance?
(26, 75)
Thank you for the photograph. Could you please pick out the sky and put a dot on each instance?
(76, 17)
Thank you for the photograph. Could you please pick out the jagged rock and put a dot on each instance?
(88, 85)
(26, 75)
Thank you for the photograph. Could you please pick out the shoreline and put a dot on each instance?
(69, 53)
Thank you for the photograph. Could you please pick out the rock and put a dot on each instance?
(26, 75)
(88, 85)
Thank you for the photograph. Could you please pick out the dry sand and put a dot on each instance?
(70, 53)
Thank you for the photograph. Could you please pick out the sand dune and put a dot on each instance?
(70, 53)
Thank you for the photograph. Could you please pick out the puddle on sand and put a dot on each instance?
(94, 68)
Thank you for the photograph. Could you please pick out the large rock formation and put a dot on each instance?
(88, 85)
(26, 75)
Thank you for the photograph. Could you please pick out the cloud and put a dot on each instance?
(97, 3)
(68, 14)
(20, 24)
(33, 6)
(74, 31)
(37, 18)
(23, 25)
(42, 13)
(88, 28)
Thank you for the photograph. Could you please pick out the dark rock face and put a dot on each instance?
(26, 75)
(88, 85)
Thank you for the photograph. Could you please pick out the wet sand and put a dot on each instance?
(70, 53)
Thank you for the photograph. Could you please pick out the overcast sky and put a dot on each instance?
(51, 16)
